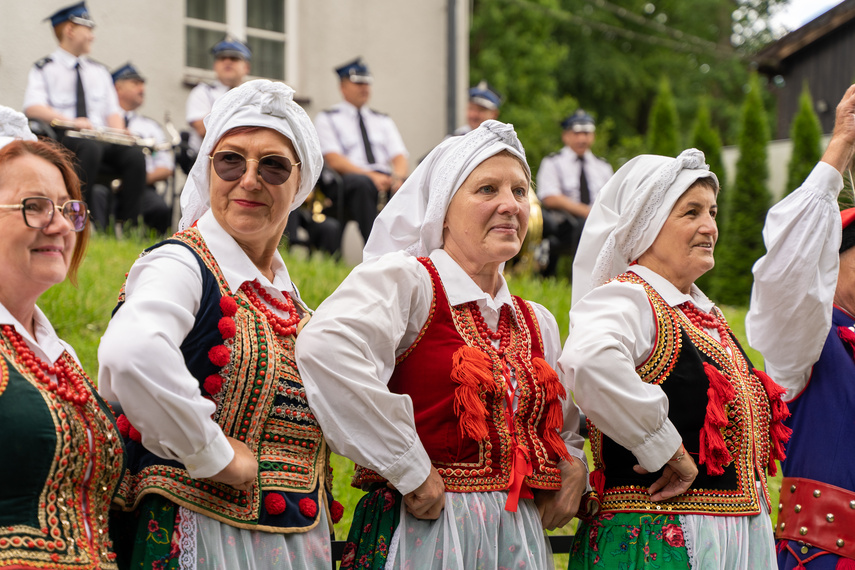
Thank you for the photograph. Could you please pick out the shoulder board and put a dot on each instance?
(98, 63)
(43, 62)
(331, 110)
(376, 112)
(147, 118)
(553, 154)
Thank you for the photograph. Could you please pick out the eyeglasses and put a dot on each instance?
(38, 212)
(274, 169)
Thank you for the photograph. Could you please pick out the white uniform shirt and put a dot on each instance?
(148, 128)
(559, 174)
(338, 131)
(346, 355)
(794, 283)
(55, 84)
(612, 330)
(141, 364)
(200, 101)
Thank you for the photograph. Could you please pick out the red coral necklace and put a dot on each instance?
(69, 385)
(704, 320)
(503, 329)
(283, 327)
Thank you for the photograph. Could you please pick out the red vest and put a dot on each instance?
(457, 384)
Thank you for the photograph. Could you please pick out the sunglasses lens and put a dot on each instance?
(75, 211)
(229, 165)
(275, 169)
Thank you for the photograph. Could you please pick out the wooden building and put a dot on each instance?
(820, 53)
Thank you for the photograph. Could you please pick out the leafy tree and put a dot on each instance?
(806, 134)
(663, 135)
(705, 138)
(740, 239)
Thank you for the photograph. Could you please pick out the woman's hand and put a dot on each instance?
(242, 471)
(677, 477)
(557, 508)
(427, 501)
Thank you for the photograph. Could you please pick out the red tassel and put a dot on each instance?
(845, 564)
(713, 452)
(780, 546)
(598, 481)
(779, 434)
(473, 371)
(553, 392)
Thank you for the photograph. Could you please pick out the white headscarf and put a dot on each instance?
(412, 220)
(14, 126)
(258, 103)
(629, 213)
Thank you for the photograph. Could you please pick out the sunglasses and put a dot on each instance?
(274, 169)
(38, 212)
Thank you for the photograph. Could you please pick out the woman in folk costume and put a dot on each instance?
(438, 382)
(683, 428)
(229, 467)
(62, 454)
(802, 319)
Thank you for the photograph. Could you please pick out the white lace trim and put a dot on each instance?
(187, 543)
(688, 537)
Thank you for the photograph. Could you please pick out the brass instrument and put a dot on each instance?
(110, 136)
(526, 261)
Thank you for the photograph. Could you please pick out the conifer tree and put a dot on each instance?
(805, 134)
(663, 131)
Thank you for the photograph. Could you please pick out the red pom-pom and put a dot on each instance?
(275, 503)
(228, 306)
(134, 434)
(124, 425)
(308, 507)
(219, 355)
(227, 327)
(213, 384)
(337, 511)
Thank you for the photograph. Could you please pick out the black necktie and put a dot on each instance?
(369, 154)
(81, 95)
(127, 119)
(584, 193)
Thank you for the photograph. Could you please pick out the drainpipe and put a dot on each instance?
(451, 65)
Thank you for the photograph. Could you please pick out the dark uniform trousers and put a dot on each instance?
(358, 197)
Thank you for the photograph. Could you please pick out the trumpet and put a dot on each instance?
(111, 136)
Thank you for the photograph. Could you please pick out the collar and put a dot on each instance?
(670, 293)
(236, 266)
(460, 288)
(66, 59)
(350, 108)
(48, 344)
(572, 154)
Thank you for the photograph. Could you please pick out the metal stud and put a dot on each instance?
(852, 504)
(829, 517)
(780, 506)
(783, 525)
(840, 542)
(793, 489)
(817, 493)
(803, 530)
(798, 508)
(805, 549)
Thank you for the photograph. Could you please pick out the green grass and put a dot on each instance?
(80, 315)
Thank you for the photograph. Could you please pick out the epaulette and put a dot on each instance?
(376, 112)
(602, 160)
(43, 62)
(553, 154)
(90, 60)
(331, 110)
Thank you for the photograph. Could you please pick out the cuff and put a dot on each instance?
(212, 459)
(410, 470)
(658, 447)
(825, 177)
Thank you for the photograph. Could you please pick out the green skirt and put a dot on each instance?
(629, 541)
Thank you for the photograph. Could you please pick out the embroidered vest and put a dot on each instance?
(823, 431)
(260, 400)
(720, 406)
(48, 495)
(460, 419)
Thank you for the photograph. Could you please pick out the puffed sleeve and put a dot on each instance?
(551, 351)
(612, 330)
(548, 179)
(141, 364)
(794, 283)
(346, 356)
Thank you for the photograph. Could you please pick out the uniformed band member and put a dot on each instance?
(68, 86)
(362, 145)
(159, 164)
(484, 104)
(567, 184)
(232, 59)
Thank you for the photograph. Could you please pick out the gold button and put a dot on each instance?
(852, 504)
(798, 508)
(780, 506)
(805, 549)
(803, 530)
(829, 517)
(840, 542)
(783, 525)
(817, 493)
(793, 489)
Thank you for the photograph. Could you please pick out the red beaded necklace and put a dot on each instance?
(704, 320)
(283, 327)
(503, 330)
(69, 385)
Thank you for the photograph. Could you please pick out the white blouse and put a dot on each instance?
(612, 331)
(140, 358)
(794, 283)
(346, 356)
(46, 344)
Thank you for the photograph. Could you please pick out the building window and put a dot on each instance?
(263, 24)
